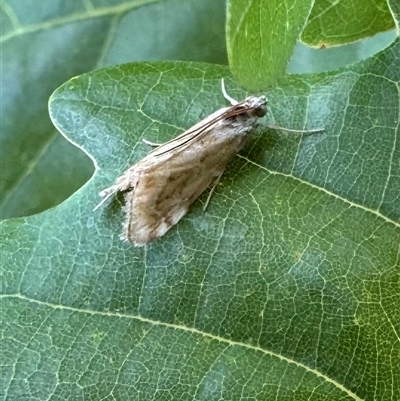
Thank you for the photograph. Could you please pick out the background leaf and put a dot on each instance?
(309, 60)
(337, 22)
(44, 43)
(261, 36)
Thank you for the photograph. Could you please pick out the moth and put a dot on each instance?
(161, 187)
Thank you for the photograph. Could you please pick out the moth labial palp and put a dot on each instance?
(161, 187)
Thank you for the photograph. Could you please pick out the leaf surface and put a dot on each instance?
(286, 288)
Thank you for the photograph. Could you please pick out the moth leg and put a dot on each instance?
(296, 131)
(214, 185)
(154, 144)
(231, 100)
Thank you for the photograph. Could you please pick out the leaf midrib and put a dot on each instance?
(326, 191)
(189, 330)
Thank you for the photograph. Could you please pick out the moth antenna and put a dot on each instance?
(296, 131)
(231, 100)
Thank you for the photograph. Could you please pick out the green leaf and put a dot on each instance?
(45, 43)
(261, 36)
(309, 60)
(286, 288)
(339, 22)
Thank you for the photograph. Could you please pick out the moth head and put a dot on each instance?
(258, 105)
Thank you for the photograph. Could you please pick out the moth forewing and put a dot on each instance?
(163, 185)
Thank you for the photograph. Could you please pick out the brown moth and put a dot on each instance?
(163, 185)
